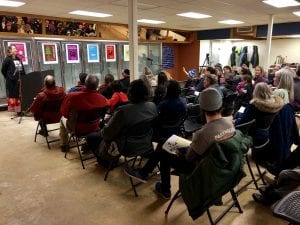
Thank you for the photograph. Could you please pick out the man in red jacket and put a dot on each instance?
(87, 99)
(50, 92)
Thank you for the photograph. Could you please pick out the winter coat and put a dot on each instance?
(264, 112)
(232, 57)
(244, 57)
(254, 58)
(12, 76)
(283, 134)
(219, 171)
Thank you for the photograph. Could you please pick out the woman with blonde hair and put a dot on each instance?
(259, 75)
(284, 81)
(263, 108)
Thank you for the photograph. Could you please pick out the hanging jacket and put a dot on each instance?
(254, 58)
(232, 57)
(219, 171)
(244, 57)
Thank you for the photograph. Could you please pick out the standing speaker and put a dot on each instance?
(31, 84)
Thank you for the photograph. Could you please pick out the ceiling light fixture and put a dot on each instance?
(231, 22)
(297, 13)
(194, 15)
(150, 21)
(87, 13)
(282, 3)
(11, 3)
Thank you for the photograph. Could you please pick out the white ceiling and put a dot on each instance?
(252, 12)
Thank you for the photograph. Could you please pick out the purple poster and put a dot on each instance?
(72, 53)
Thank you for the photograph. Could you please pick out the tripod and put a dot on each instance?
(206, 62)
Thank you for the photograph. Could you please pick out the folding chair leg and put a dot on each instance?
(177, 195)
(251, 172)
(261, 175)
(67, 150)
(108, 170)
(133, 187)
(78, 148)
(209, 217)
(48, 143)
(236, 202)
(36, 131)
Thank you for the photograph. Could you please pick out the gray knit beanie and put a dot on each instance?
(210, 100)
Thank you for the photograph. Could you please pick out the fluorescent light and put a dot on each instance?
(11, 3)
(297, 13)
(150, 21)
(231, 22)
(87, 13)
(194, 15)
(281, 3)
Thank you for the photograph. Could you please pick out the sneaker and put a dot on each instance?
(261, 199)
(158, 189)
(136, 174)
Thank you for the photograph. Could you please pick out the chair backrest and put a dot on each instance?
(245, 127)
(85, 121)
(138, 139)
(50, 111)
(228, 104)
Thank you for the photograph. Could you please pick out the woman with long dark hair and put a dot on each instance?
(12, 69)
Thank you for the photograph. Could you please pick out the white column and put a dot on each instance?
(133, 39)
(269, 41)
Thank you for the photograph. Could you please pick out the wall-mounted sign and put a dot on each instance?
(49, 53)
(110, 53)
(92, 53)
(21, 51)
(167, 57)
(126, 53)
(72, 53)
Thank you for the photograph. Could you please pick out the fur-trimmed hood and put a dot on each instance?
(272, 105)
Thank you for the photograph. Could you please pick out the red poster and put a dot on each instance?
(110, 53)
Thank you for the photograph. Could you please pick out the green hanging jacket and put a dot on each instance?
(219, 171)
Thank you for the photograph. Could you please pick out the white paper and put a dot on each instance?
(175, 142)
(242, 109)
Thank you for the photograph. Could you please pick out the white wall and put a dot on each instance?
(221, 50)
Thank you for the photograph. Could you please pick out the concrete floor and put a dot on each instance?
(40, 187)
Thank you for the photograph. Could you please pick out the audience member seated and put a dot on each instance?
(80, 84)
(87, 99)
(160, 90)
(217, 129)
(263, 108)
(296, 103)
(259, 75)
(209, 70)
(211, 81)
(105, 88)
(124, 117)
(171, 110)
(50, 92)
(118, 96)
(283, 133)
(245, 91)
(284, 83)
(125, 81)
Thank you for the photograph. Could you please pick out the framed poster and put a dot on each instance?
(92, 53)
(21, 51)
(126, 53)
(110, 53)
(72, 53)
(49, 53)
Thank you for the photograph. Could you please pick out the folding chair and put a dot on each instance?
(50, 114)
(90, 120)
(288, 208)
(137, 143)
(225, 159)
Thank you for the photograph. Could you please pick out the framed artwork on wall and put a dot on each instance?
(110, 53)
(92, 53)
(49, 53)
(72, 53)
